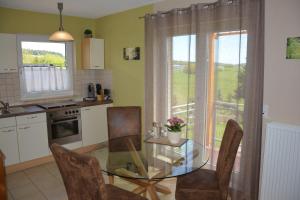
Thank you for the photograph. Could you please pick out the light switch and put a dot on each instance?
(265, 111)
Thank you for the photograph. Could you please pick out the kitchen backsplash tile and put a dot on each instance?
(10, 85)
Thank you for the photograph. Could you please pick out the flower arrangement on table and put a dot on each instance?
(174, 127)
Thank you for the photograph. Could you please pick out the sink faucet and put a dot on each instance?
(5, 108)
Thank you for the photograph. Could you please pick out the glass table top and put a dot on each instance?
(128, 157)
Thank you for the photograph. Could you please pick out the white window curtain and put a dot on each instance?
(210, 37)
(44, 80)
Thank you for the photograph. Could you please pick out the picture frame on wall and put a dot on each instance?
(293, 48)
(131, 53)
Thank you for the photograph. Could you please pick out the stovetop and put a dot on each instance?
(58, 104)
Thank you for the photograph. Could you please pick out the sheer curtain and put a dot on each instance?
(46, 78)
(205, 64)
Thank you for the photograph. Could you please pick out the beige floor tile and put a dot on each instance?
(9, 196)
(53, 169)
(16, 180)
(27, 192)
(38, 174)
(57, 192)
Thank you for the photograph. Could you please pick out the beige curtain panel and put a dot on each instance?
(205, 64)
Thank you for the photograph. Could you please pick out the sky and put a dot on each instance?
(227, 48)
(48, 46)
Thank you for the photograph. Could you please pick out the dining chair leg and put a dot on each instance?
(111, 179)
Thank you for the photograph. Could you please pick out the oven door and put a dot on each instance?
(65, 130)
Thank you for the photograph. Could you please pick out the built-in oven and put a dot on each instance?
(64, 125)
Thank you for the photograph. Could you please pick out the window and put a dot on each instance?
(182, 81)
(215, 79)
(45, 67)
(227, 65)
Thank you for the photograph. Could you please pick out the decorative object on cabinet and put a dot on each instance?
(93, 53)
(88, 33)
(61, 35)
(293, 48)
(131, 53)
(8, 55)
(107, 94)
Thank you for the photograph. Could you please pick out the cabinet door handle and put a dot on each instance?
(87, 109)
(24, 128)
(8, 131)
(33, 117)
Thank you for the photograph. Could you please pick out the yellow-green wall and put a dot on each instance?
(19, 21)
(121, 30)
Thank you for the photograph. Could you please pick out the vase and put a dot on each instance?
(174, 137)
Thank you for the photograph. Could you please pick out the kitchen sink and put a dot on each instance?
(13, 110)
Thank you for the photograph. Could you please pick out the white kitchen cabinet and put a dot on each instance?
(92, 53)
(9, 140)
(8, 53)
(94, 124)
(32, 137)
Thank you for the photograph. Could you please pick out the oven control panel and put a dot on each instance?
(62, 113)
(71, 112)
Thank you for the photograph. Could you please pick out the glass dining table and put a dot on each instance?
(146, 163)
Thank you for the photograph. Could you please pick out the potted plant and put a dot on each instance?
(88, 33)
(174, 127)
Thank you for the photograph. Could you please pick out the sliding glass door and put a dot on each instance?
(222, 96)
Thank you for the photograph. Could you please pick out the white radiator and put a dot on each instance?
(281, 163)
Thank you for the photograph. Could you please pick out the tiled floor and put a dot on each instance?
(45, 183)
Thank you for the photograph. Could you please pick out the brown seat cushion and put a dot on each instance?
(201, 184)
(120, 194)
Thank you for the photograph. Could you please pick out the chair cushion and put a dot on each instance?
(115, 193)
(201, 184)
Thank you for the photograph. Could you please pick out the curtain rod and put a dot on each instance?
(183, 9)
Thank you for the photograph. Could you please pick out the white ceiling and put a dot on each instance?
(80, 8)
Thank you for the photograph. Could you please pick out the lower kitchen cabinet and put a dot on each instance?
(94, 124)
(33, 141)
(9, 145)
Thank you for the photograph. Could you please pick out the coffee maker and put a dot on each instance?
(90, 93)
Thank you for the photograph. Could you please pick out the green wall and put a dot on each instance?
(19, 21)
(121, 30)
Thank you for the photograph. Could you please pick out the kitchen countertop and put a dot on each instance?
(33, 109)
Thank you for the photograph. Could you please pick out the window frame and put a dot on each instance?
(69, 56)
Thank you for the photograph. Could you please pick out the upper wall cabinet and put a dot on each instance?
(8, 53)
(93, 53)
